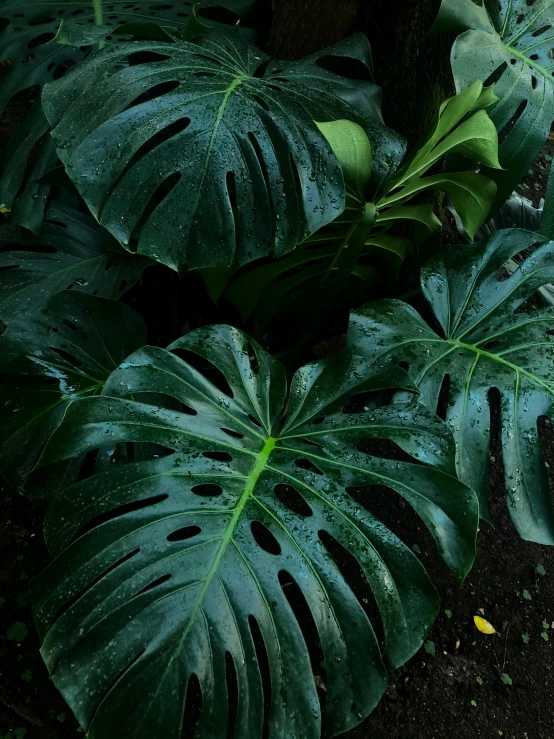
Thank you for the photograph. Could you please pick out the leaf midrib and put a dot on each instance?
(258, 468)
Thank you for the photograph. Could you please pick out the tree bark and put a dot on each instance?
(414, 71)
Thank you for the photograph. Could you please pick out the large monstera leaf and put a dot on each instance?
(74, 253)
(210, 146)
(509, 42)
(47, 357)
(186, 559)
(29, 58)
(485, 343)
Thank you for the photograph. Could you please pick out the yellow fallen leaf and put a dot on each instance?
(484, 626)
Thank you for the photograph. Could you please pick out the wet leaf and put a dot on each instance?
(185, 550)
(484, 342)
(210, 144)
(509, 40)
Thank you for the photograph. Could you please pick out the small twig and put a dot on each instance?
(505, 647)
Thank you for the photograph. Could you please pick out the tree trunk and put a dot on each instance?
(413, 71)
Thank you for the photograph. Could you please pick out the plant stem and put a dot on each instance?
(98, 17)
(335, 279)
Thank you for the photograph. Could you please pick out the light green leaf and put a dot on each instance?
(351, 146)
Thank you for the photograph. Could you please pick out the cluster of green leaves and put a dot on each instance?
(211, 519)
(508, 43)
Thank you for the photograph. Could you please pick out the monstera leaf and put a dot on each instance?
(462, 127)
(186, 559)
(81, 256)
(508, 42)
(64, 351)
(485, 344)
(29, 58)
(208, 144)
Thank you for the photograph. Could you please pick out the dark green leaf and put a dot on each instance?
(229, 164)
(195, 543)
(29, 58)
(485, 344)
(48, 357)
(86, 258)
(510, 43)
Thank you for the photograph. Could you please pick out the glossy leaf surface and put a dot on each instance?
(211, 147)
(508, 42)
(485, 344)
(187, 567)
(47, 357)
(30, 59)
(74, 253)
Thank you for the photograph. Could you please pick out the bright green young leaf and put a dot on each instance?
(298, 281)
(484, 345)
(48, 357)
(230, 165)
(201, 546)
(510, 43)
(86, 258)
(352, 148)
(464, 128)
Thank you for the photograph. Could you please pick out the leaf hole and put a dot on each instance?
(208, 369)
(305, 619)
(67, 356)
(232, 694)
(253, 359)
(491, 344)
(154, 584)
(44, 38)
(513, 120)
(543, 29)
(264, 538)
(193, 708)
(158, 196)
(385, 449)
(207, 490)
(64, 608)
(265, 671)
(261, 102)
(117, 512)
(218, 456)
(234, 434)
(306, 464)
(355, 577)
(496, 75)
(292, 499)
(70, 325)
(444, 394)
(187, 532)
(254, 420)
